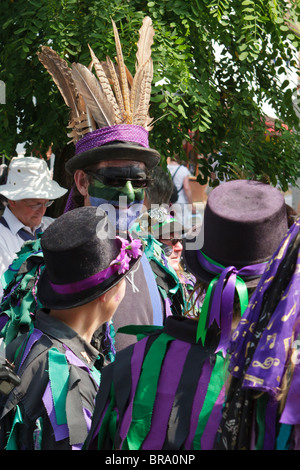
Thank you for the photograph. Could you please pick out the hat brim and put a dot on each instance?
(116, 151)
(192, 243)
(50, 191)
(52, 300)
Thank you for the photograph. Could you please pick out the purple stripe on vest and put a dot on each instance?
(208, 436)
(3, 320)
(171, 372)
(61, 431)
(198, 401)
(136, 365)
(34, 337)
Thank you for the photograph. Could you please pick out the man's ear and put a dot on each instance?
(81, 181)
(102, 298)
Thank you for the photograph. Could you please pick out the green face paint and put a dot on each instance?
(112, 194)
(110, 183)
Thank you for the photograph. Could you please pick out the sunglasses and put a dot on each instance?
(167, 245)
(39, 205)
(171, 241)
(116, 182)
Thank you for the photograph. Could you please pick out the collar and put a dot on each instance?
(66, 335)
(14, 223)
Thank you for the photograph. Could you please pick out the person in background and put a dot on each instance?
(80, 287)
(29, 190)
(167, 391)
(180, 176)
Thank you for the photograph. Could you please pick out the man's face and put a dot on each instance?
(117, 186)
(117, 179)
(29, 211)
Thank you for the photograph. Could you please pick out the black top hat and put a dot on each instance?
(83, 258)
(244, 222)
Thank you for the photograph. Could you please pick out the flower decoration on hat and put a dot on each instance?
(111, 104)
(129, 249)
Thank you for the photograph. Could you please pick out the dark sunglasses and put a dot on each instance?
(168, 247)
(116, 182)
(171, 241)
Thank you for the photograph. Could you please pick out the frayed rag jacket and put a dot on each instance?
(52, 407)
(164, 392)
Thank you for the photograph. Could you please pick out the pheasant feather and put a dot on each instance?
(123, 76)
(95, 99)
(104, 82)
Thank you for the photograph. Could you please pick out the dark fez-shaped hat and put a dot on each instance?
(244, 222)
(109, 109)
(83, 258)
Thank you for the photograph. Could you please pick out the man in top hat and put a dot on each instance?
(262, 410)
(80, 287)
(110, 129)
(29, 190)
(170, 385)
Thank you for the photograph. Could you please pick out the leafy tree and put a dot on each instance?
(215, 63)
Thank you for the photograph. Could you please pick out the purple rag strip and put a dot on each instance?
(105, 135)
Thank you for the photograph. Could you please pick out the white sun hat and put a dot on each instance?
(30, 178)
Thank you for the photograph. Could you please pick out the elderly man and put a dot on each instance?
(29, 190)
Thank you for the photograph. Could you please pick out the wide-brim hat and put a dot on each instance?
(82, 258)
(127, 151)
(244, 222)
(30, 178)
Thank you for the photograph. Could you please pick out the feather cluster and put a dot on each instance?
(109, 96)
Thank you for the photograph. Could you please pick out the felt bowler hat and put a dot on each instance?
(83, 258)
(244, 222)
(30, 178)
(116, 150)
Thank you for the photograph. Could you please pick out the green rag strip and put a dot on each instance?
(146, 392)
(12, 443)
(214, 388)
(59, 377)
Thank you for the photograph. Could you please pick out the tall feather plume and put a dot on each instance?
(62, 77)
(111, 95)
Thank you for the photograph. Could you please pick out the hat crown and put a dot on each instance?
(27, 169)
(71, 246)
(244, 221)
(30, 178)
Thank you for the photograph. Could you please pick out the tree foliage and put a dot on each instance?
(215, 63)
